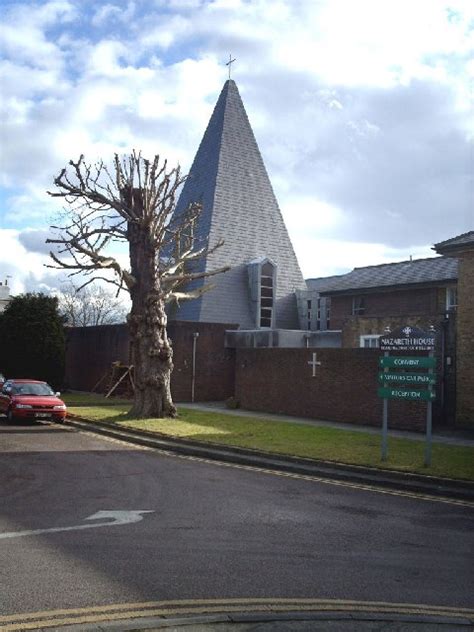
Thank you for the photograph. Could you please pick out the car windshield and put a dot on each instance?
(32, 388)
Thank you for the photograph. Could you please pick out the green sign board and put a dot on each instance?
(407, 379)
(393, 392)
(407, 362)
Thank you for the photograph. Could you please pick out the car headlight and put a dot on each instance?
(60, 407)
(23, 406)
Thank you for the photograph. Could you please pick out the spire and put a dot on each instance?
(229, 178)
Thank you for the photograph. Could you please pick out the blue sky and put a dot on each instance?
(362, 111)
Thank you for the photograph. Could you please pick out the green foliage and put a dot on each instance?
(32, 339)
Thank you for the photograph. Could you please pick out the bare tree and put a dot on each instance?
(134, 203)
(92, 305)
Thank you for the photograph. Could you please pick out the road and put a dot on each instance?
(212, 531)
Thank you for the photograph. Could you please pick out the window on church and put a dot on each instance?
(262, 289)
(318, 315)
(308, 314)
(266, 294)
(328, 313)
(358, 306)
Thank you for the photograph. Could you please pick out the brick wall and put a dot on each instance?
(465, 342)
(90, 352)
(425, 302)
(357, 326)
(344, 389)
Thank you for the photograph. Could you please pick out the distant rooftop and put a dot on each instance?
(455, 244)
(417, 271)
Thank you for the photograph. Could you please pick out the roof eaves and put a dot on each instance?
(456, 244)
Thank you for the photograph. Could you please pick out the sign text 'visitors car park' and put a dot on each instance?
(402, 340)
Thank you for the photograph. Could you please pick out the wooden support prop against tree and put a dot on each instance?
(100, 381)
(122, 377)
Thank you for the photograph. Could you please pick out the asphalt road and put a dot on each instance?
(214, 531)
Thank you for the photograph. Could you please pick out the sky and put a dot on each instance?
(363, 112)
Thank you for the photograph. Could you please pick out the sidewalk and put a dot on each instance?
(448, 437)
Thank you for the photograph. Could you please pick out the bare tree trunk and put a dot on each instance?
(152, 358)
(151, 350)
(140, 195)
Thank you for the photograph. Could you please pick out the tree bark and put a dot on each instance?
(150, 347)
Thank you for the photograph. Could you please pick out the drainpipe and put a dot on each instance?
(193, 379)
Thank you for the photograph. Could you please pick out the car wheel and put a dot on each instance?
(59, 420)
(10, 417)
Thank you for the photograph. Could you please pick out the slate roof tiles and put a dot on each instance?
(423, 271)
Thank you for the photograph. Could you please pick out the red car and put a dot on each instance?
(31, 399)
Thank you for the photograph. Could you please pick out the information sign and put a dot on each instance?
(408, 379)
(390, 392)
(407, 339)
(406, 362)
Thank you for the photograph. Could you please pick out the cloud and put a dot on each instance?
(361, 110)
(25, 266)
(34, 240)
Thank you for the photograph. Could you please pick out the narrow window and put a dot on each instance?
(267, 297)
(451, 299)
(358, 306)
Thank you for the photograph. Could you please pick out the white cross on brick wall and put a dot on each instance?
(314, 363)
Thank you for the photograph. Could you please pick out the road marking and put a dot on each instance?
(304, 477)
(328, 481)
(118, 517)
(187, 607)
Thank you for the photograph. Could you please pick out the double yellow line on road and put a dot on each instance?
(305, 477)
(196, 607)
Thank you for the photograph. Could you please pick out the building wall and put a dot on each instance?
(465, 342)
(90, 352)
(356, 326)
(344, 389)
(4, 296)
(426, 302)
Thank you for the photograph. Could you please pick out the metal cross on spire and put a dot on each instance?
(229, 63)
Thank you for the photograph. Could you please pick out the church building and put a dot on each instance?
(228, 177)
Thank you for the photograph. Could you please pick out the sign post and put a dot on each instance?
(429, 411)
(385, 417)
(407, 383)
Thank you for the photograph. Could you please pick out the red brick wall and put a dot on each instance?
(344, 389)
(421, 301)
(90, 352)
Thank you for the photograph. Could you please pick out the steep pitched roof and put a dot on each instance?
(229, 177)
(402, 273)
(456, 244)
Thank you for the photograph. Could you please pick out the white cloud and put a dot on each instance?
(19, 263)
(324, 257)
(360, 108)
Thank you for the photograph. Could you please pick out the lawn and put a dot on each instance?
(79, 398)
(316, 442)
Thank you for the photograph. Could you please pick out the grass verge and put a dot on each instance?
(278, 437)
